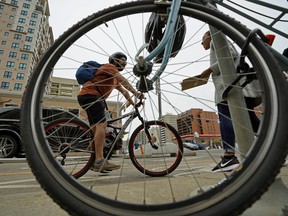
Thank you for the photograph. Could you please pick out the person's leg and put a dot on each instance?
(99, 140)
(226, 129)
(229, 161)
(95, 109)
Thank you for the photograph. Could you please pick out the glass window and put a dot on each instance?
(14, 2)
(15, 45)
(1, 52)
(24, 13)
(11, 17)
(17, 37)
(20, 76)
(21, 20)
(6, 33)
(20, 28)
(26, 5)
(22, 66)
(4, 85)
(32, 23)
(13, 9)
(7, 74)
(1, 7)
(24, 56)
(10, 64)
(28, 39)
(13, 54)
(4, 42)
(31, 31)
(34, 15)
(18, 86)
(27, 47)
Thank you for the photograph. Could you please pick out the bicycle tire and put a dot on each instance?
(260, 167)
(71, 138)
(156, 162)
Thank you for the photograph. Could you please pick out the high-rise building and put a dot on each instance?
(24, 35)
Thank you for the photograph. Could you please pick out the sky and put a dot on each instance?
(64, 14)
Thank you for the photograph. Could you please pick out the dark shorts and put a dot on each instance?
(94, 107)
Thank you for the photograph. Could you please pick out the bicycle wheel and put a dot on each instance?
(163, 159)
(69, 141)
(191, 189)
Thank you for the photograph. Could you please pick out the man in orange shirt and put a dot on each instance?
(92, 98)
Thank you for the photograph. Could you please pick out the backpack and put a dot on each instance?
(87, 71)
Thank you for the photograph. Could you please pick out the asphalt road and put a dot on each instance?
(20, 193)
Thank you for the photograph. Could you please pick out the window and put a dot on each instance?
(22, 66)
(20, 28)
(1, 52)
(13, 54)
(4, 85)
(9, 25)
(10, 64)
(11, 17)
(23, 13)
(4, 42)
(1, 7)
(24, 56)
(28, 39)
(17, 37)
(31, 31)
(14, 2)
(13, 9)
(6, 34)
(21, 20)
(15, 45)
(32, 23)
(7, 74)
(18, 86)
(26, 5)
(20, 76)
(27, 47)
(34, 15)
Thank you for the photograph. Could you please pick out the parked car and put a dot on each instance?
(10, 139)
(191, 146)
(195, 146)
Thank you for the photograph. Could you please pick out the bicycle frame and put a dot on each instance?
(132, 115)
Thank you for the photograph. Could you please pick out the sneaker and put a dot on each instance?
(226, 164)
(104, 166)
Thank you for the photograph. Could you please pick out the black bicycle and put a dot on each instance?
(70, 141)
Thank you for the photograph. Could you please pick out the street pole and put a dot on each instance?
(235, 99)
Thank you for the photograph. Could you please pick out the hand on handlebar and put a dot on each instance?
(139, 95)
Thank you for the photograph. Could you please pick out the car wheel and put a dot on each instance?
(8, 146)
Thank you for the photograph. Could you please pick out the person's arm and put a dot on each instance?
(125, 93)
(206, 73)
(124, 82)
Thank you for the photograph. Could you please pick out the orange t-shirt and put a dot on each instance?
(104, 82)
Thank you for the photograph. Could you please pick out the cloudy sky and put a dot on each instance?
(64, 15)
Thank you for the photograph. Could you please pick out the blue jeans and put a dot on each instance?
(226, 126)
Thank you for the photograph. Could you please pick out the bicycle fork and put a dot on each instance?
(146, 130)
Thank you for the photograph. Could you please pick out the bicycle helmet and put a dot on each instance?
(155, 30)
(116, 56)
(113, 59)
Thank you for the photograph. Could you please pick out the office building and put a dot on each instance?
(25, 34)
